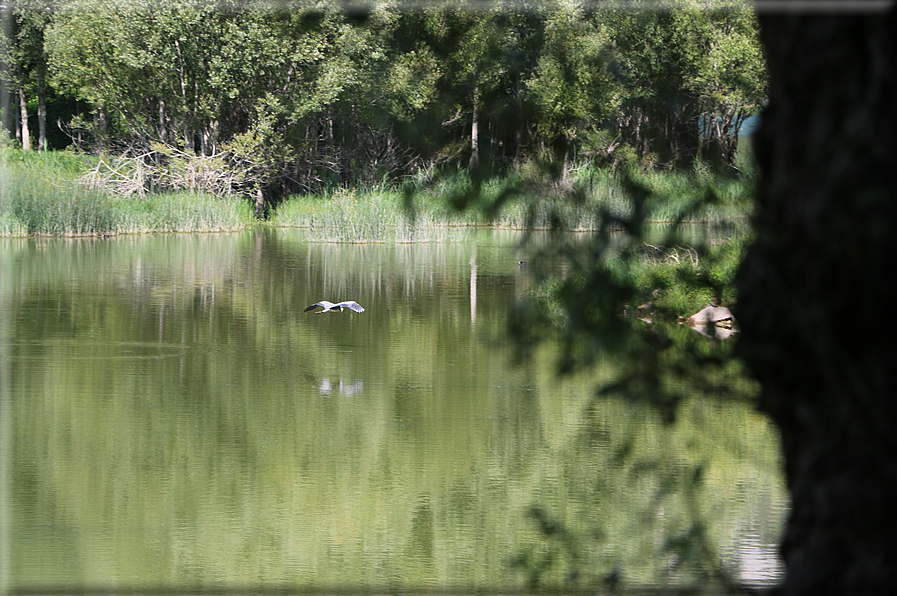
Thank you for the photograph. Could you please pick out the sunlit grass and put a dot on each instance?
(36, 205)
(184, 212)
(683, 279)
(10, 226)
(699, 196)
(528, 198)
(39, 195)
(374, 216)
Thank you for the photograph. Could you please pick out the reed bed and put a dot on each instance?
(526, 199)
(185, 212)
(40, 195)
(376, 216)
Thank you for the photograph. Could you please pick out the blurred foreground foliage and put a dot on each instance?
(625, 288)
(619, 298)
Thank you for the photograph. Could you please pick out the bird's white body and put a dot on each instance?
(331, 307)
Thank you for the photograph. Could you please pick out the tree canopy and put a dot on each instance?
(309, 94)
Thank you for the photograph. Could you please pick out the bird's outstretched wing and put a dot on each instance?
(323, 303)
(351, 304)
(330, 306)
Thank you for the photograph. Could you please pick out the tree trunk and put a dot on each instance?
(566, 160)
(260, 205)
(6, 91)
(25, 135)
(41, 112)
(208, 144)
(813, 288)
(475, 131)
(163, 128)
(101, 130)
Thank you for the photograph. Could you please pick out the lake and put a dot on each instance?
(172, 419)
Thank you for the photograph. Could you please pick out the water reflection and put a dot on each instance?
(172, 417)
(346, 389)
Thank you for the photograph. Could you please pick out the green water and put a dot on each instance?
(171, 418)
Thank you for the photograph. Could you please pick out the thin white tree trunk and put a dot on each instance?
(475, 130)
(23, 111)
(41, 114)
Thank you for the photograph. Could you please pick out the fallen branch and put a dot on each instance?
(162, 167)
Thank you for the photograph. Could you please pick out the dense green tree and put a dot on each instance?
(730, 82)
(25, 67)
(571, 84)
(470, 43)
(446, 78)
(691, 74)
(88, 58)
(300, 95)
(155, 71)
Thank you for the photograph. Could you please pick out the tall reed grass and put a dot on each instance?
(529, 199)
(379, 215)
(39, 195)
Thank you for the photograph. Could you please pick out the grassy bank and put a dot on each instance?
(378, 215)
(40, 195)
(528, 199)
(519, 200)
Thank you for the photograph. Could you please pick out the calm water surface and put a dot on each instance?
(172, 418)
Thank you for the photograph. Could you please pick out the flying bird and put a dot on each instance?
(331, 307)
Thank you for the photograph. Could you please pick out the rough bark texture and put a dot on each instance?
(24, 134)
(815, 294)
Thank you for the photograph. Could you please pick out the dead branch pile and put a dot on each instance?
(677, 255)
(162, 167)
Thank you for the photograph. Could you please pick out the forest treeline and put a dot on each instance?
(292, 97)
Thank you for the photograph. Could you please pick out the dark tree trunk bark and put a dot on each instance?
(815, 291)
